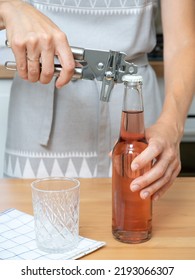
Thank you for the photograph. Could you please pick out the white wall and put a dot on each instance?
(5, 85)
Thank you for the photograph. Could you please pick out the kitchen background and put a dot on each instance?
(156, 60)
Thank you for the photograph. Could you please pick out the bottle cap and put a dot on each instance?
(132, 78)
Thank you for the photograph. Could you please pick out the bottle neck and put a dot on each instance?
(132, 120)
(133, 97)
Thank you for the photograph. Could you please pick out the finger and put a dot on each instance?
(156, 172)
(33, 58)
(33, 62)
(147, 156)
(67, 71)
(65, 56)
(155, 186)
(19, 50)
(47, 66)
(159, 193)
(164, 182)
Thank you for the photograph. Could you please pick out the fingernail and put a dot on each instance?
(134, 166)
(145, 195)
(135, 188)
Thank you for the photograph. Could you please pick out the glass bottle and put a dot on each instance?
(131, 215)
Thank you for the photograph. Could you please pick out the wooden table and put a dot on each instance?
(173, 219)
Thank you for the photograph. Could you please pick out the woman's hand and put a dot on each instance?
(165, 135)
(34, 38)
(163, 149)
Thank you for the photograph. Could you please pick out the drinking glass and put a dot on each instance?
(56, 213)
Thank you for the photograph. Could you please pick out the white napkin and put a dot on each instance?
(17, 240)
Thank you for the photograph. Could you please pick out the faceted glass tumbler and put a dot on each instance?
(56, 213)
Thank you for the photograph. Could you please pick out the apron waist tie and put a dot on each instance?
(47, 113)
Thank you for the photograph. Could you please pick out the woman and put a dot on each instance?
(59, 127)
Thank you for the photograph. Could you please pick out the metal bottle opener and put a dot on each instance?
(105, 66)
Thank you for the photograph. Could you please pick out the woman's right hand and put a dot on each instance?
(34, 38)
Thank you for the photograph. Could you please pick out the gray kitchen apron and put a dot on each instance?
(70, 132)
